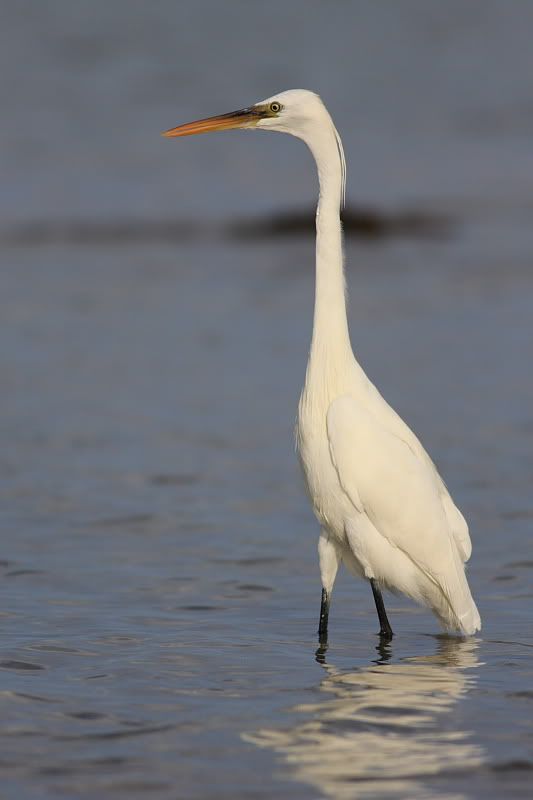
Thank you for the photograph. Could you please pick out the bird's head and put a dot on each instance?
(298, 112)
(294, 112)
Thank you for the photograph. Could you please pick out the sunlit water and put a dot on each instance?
(160, 588)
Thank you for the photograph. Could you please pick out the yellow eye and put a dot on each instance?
(275, 107)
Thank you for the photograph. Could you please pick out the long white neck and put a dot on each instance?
(331, 338)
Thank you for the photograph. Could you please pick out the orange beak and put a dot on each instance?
(244, 118)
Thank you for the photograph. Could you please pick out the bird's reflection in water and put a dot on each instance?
(380, 731)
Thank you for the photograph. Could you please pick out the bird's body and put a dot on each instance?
(391, 518)
(383, 509)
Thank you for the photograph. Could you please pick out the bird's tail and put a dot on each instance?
(457, 610)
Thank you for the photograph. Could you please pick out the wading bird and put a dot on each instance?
(383, 509)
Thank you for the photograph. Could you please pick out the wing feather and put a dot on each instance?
(400, 492)
(392, 422)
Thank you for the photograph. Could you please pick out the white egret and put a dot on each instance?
(383, 509)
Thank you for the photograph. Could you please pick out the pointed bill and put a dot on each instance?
(244, 118)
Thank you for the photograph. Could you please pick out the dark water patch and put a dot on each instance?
(524, 694)
(73, 767)
(340, 727)
(507, 642)
(513, 765)
(504, 578)
(55, 648)
(85, 715)
(393, 711)
(258, 561)
(35, 698)
(18, 572)
(118, 638)
(20, 665)
(120, 734)
(139, 786)
(198, 607)
(518, 564)
(174, 480)
(253, 587)
(363, 223)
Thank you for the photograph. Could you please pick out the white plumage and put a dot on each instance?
(384, 511)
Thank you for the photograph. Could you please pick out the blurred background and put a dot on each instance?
(160, 587)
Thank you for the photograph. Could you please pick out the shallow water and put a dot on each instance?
(160, 588)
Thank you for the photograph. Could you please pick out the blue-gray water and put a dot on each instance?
(160, 590)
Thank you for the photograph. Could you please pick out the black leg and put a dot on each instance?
(324, 614)
(385, 628)
(322, 649)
